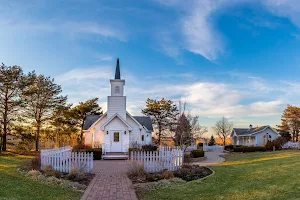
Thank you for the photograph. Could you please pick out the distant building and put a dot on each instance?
(257, 136)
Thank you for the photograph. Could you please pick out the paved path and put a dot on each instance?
(212, 158)
(110, 182)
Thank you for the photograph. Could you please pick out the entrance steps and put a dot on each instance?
(115, 156)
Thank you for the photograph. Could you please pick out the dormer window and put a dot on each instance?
(117, 89)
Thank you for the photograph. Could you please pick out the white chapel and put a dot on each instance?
(117, 130)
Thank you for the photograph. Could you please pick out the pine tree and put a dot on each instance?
(212, 141)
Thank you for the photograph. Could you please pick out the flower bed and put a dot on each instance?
(186, 173)
(145, 182)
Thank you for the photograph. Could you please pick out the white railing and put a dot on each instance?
(156, 161)
(291, 145)
(64, 160)
(214, 148)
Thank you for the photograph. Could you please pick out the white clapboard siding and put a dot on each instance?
(64, 160)
(291, 145)
(156, 161)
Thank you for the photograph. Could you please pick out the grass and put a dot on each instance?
(268, 175)
(13, 185)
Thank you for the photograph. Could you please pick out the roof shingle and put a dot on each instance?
(246, 131)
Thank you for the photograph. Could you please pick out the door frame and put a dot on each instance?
(120, 140)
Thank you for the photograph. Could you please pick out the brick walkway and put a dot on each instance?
(110, 182)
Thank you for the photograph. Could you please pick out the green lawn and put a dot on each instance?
(272, 175)
(15, 186)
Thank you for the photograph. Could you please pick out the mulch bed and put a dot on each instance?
(186, 172)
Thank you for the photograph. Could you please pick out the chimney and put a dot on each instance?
(250, 126)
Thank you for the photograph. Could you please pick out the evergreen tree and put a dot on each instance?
(41, 97)
(211, 141)
(163, 113)
(11, 85)
(80, 112)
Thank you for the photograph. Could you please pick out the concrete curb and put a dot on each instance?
(89, 188)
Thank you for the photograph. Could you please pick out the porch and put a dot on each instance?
(246, 140)
(115, 156)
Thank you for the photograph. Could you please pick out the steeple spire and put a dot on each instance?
(117, 75)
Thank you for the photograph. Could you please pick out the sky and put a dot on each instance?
(238, 58)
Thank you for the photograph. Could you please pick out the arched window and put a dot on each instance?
(270, 138)
(117, 89)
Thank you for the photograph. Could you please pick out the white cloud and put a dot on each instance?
(196, 24)
(206, 99)
(68, 28)
(200, 35)
(285, 8)
(85, 74)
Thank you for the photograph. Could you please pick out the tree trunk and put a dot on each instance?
(81, 132)
(224, 141)
(159, 134)
(4, 137)
(37, 137)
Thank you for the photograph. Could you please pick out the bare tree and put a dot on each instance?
(187, 129)
(223, 129)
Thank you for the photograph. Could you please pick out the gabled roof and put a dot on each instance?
(90, 119)
(251, 131)
(145, 121)
(114, 116)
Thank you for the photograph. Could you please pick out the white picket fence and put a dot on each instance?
(64, 160)
(291, 145)
(156, 161)
(214, 148)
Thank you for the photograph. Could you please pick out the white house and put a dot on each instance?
(257, 136)
(117, 130)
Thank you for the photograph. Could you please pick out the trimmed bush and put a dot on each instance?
(230, 147)
(80, 147)
(149, 147)
(97, 153)
(245, 149)
(197, 153)
(192, 172)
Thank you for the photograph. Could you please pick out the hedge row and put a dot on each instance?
(97, 152)
(248, 149)
(197, 153)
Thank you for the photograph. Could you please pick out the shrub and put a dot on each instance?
(137, 170)
(277, 143)
(48, 171)
(192, 172)
(97, 153)
(167, 175)
(154, 177)
(245, 149)
(197, 153)
(75, 175)
(36, 163)
(149, 147)
(80, 147)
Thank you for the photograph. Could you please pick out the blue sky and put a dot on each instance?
(238, 58)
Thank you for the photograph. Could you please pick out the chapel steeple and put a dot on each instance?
(116, 102)
(117, 74)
